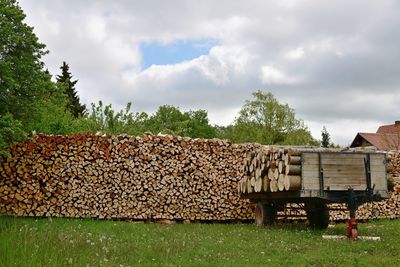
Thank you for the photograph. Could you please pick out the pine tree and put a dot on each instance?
(326, 139)
(73, 104)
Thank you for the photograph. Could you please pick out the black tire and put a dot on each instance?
(318, 216)
(265, 214)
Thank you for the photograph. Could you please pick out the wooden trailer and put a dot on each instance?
(327, 177)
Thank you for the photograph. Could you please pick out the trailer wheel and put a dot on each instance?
(265, 214)
(318, 216)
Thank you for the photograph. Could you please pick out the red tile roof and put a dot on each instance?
(386, 138)
(389, 129)
(383, 141)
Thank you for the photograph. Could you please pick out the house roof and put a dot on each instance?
(382, 141)
(389, 129)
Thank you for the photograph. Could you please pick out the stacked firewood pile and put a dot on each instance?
(388, 208)
(145, 178)
(393, 168)
(155, 177)
(274, 168)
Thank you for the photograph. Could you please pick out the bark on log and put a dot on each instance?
(292, 182)
(293, 170)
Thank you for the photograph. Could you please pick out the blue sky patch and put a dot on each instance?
(162, 54)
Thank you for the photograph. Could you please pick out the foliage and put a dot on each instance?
(326, 138)
(87, 242)
(50, 116)
(169, 119)
(10, 130)
(23, 82)
(266, 121)
(73, 104)
(105, 119)
(300, 137)
(21, 68)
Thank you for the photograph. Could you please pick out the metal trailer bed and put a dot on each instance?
(328, 177)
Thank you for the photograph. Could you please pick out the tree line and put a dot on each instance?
(31, 101)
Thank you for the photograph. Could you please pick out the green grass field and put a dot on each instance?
(86, 242)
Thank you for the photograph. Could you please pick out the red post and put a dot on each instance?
(351, 229)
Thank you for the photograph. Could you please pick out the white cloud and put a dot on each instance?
(96, 28)
(271, 75)
(297, 53)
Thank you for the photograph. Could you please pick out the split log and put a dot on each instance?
(266, 184)
(273, 185)
(258, 185)
(271, 174)
(281, 166)
(276, 174)
(281, 182)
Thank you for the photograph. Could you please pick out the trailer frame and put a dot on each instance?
(315, 200)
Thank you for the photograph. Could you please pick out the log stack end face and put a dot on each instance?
(153, 177)
(146, 177)
(271, 169)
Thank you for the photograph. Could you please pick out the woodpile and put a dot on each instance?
(389, 208)
(142, 178)
(157, 177)
(393, 168)
(274, 168)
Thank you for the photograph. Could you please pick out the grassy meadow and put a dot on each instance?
(88, 242)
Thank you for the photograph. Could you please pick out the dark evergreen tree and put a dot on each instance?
(73, 104)
(326, 138)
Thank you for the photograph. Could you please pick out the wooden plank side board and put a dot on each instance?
(378, 172)
(342, 171)
(310, 171)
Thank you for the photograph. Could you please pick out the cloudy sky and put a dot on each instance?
(337, 63)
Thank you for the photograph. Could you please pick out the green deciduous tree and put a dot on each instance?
(103, 118)
(29, 100)
(263, 119)
(169, 119)
(10, 130)
(23, 81)
(73, 103)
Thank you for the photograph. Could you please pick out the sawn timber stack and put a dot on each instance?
(140, 178)
(149, 177)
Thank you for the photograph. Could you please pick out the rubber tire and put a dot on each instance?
(265, 214)
(318, 216)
